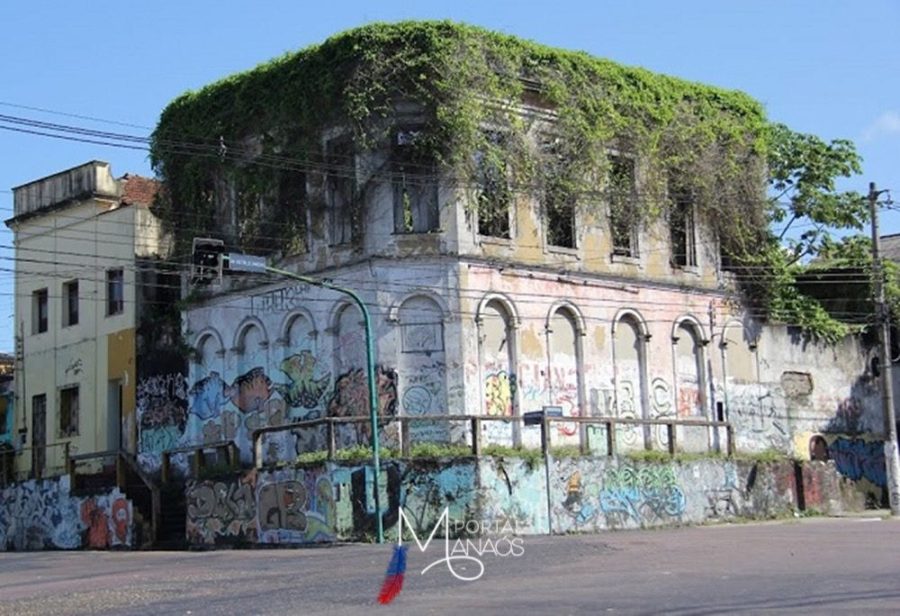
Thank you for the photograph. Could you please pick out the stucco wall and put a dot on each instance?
(469, 338)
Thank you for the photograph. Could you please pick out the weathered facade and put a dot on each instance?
(81, 236)
(487, 297)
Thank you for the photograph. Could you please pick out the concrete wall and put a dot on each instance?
(37, 515)
(335, 502)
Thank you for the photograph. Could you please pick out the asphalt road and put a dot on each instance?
(811, 566)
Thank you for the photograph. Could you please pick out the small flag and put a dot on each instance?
(393, 578)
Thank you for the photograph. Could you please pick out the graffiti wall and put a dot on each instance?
(38, 515)
(326, 503)
(336, 501)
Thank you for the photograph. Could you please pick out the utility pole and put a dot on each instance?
(882, 321)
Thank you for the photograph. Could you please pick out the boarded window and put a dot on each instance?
(415, 184)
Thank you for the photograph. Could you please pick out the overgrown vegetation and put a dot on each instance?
(488, 106)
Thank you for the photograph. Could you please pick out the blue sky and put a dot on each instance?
(821, 66)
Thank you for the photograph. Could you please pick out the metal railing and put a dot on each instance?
(475, 423)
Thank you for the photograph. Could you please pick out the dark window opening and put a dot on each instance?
(622, 206)
(70, 307)
(415, 184)
(340, 189)
(681, 227)
(292, 212)
(40, 311)
(560, 207)
(68, 411)
(494, 198)
(115, 292)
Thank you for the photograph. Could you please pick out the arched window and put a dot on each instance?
(630, 368)
(689, 373)
(208, 357)
(300, 336)
(349, 341)
(498, 361)
(251, 349)
(564, 367)
(421, 366)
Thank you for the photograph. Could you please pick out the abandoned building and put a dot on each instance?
(530, 228)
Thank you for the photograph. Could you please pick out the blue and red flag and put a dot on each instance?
(393, 578)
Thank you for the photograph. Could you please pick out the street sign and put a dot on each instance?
(238, 262)
(534, 418)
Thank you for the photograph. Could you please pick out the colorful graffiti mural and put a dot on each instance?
(295, 508)
(499, 389)
(162, 402)
(306, 387)
(641, 496)
(38, 515)
(218, 509)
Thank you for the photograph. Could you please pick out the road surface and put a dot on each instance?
(810, 566)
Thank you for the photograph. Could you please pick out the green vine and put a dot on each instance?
(482, 100)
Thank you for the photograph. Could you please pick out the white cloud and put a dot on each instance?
(887, 124)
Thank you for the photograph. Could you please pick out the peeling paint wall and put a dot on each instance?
(38, 515)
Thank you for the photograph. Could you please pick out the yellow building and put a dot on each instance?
(80, 238)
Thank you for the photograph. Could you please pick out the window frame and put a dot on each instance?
(70, 310)
(682, 221)
(561, 207)
(413, 217)
(40, 311)
(115, 280)
(493, 186)
(622, 226)
(340, 179)
(69, 412)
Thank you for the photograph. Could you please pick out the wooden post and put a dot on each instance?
(670, 429)
(198, 462)
(120, 472)
(332, 445)
(476, 436)
(404, 436)
(164, 468)
(731, 449)
(610, 438)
